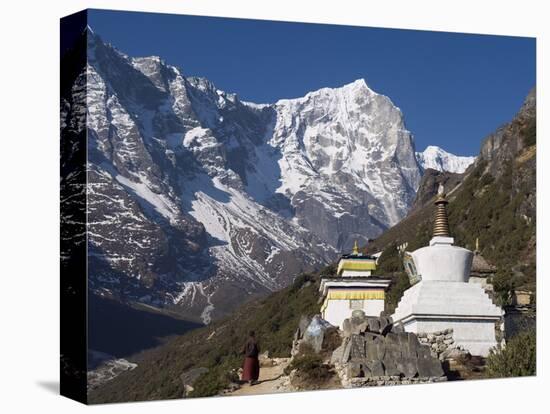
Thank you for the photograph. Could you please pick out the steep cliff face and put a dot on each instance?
(198, 200)
(512, 138)
(429, 185)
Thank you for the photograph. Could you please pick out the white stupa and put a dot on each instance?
(441, 296)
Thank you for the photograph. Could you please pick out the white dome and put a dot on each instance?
(442, 261)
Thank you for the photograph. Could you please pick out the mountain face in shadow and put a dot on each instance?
(122, 331)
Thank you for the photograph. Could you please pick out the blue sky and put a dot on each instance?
(453, 89)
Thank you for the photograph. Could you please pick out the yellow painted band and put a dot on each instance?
(352, 295)
(355, 265)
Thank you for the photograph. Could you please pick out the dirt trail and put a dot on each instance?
(272, 380)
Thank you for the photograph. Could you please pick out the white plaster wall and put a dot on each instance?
(443, 262)
(339, 310)
(356, 273)
(440, 298)
(477, 336)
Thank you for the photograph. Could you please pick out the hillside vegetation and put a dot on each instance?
(217, 347)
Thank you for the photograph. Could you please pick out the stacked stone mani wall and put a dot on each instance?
(441, 344)
(377, 352)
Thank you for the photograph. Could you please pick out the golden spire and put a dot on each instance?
(441, 224)
(355, 248)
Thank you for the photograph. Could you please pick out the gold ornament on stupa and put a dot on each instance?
(355, 249)
(441, 223)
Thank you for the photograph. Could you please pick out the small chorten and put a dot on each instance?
(354, 287)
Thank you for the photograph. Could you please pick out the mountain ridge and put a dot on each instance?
(437, 158)
(193, 192)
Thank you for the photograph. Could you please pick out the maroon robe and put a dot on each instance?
(251, 365)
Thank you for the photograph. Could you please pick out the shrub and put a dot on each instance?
(400, 283)
(516, 359)
(310, 368)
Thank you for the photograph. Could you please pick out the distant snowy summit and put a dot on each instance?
(440, 160)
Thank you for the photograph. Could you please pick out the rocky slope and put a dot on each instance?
(438, 159)
(198, 200)
(429, 186)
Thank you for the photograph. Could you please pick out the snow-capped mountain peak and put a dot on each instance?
(438, 159)
(197, 200)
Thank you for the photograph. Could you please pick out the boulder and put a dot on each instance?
(453, 353)
(381, 346)
(407, 367)
(354, 370)
(429, 367)
(347, 350)
(357, 351)
(409, 344)
(264, 360)
(358, 313)
(303, 324)
(392, 345)
(370, 336)
(373, 325)
(375, 368)
(358, 326)
(423, 351)
(315, 333)
(390, 367)
(338, 354)
(397, 328)
(385, 324)
(371, 350)
(346, 327)
(358, 322)
(190, 376)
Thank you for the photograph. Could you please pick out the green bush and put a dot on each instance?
(517, 359)
(310, 367)
(400, 283)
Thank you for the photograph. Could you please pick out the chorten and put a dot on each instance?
(353, 288)
(441, 297)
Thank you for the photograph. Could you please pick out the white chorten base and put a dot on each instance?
(431, 306)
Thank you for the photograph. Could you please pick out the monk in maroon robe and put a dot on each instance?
(251, 366)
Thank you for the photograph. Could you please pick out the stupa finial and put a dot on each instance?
(441, 223)
(355, 248)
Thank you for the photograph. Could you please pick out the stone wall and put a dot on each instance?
(441, 344)
(377, 352)
(392, 380)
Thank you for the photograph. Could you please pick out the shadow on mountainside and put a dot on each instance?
(121, 330)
